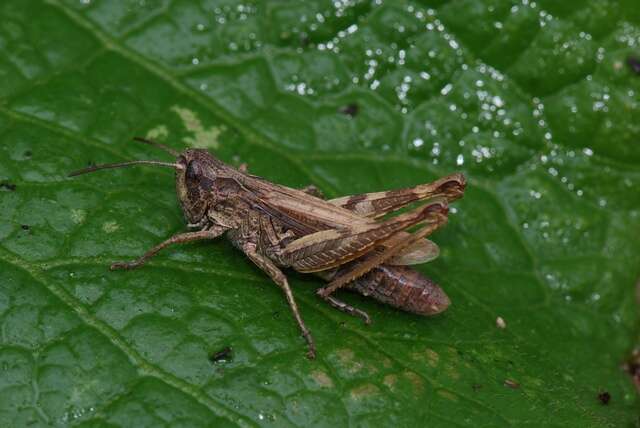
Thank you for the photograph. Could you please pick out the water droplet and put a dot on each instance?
(535, 194)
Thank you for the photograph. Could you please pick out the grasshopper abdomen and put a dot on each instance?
(402, 288)
(399, 286)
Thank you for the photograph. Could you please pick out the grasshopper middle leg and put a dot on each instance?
(279, 278)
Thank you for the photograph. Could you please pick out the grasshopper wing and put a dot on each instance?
(300, 211)
(422, 251)
(331, 248)
(321, 224)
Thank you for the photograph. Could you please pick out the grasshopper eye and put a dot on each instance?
(193, 170)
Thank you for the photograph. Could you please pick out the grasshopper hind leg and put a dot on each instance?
(345, 307)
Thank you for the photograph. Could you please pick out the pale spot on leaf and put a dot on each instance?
(202, 137)
(390, 381)
(158, 133)
(432, 357)
(346, 357)
(416, 381)
(448, 395)
(78, 215)
(322, 379)
(110, 226)
(452, 372)
(364, 391)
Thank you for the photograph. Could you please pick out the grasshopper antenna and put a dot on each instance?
(158, 145)
(123, 164)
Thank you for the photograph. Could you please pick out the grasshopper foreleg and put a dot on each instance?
(175, 239)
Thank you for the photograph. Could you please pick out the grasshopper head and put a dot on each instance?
(195, 178)
(196, 173)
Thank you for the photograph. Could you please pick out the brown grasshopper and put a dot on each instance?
(345, 240)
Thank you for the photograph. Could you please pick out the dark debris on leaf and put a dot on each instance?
(25, 227)
(634, 64)
(350, 110)
(604, 397)
(222, 355)
(632, 367)
(7, 186)
(511, 384)
(304, 40)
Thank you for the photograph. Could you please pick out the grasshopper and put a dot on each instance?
(345, 240)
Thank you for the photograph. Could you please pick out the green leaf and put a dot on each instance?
(533, 101)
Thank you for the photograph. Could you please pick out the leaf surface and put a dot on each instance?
(535, 102)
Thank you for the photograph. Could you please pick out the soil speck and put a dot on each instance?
(632, 366)
(604, 397)
(511, 384)
(222, 355)
(8, 187)
(634, 64)
(350, 110)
